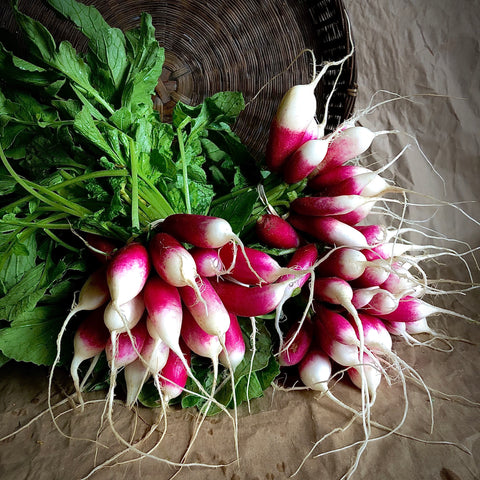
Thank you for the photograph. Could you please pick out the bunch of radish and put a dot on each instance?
(367, 284)
(151, 306)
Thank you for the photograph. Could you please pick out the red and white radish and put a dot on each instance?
(199, 230)
(164, 307)
(211, 314)
(207, 261)
(234, 350)
(124, 317)
(298, 340)
(328, 230)
(345, 146)
(334, 205)
(127, 273)
(173, 377)
(345, 263)
(273, 231)
(89, 341)
(304, 160)
(303, 261)
(261, 299)
(315, 370)
(331, 177)
(250, 266)
(288, 130)
(172, 261)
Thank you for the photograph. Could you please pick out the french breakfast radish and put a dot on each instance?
(93, 294)
(261, 299)
(211, 314)
(125, 316)
(331, 177)
(123, 351)
(273, 231)
(334, 205)
(89, 341)
(199, 230)
(173, 377)
(164, 307)
(345, 263)
(304, 160)
(172, 261)
(346, 145)
(250, 266)
(298, 339)
(292, 120)
(234, 345)
(315, 370)
(127, 273)
(207, 261)
(328, 230)
(303, 261)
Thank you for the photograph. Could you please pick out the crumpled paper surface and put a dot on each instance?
(426, 50)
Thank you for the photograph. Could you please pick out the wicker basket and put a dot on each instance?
(242, 45)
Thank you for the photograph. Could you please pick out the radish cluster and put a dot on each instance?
(367, 284)
(154, 305)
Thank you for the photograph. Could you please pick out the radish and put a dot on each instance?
(173, 377)
(301, 336)
(172, 261)
(89, 341)
(154, 354)
(335, 205)
(211, 316)
(250, 266)
(367, 183)
(294, 120)
(164, 320)
(302, 260)
(304, 160)
(151, 361)
(164, 307)
(290, 124)
(356, 215)
(412, 309)
(375, 273)
(383, 301)
(234, 345)
(345, 146)
(345, 263)
(127, 273)
(101, 248)
(328, 230)
(315, 370)
(374, 234)
(93, 294)
(246, 301)
(376, 335)
(124, 317)
(273, 231)
(374, 299)
(207, 261)
(372, 373)
(123, 351)
(199, 230)
(331, 177)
